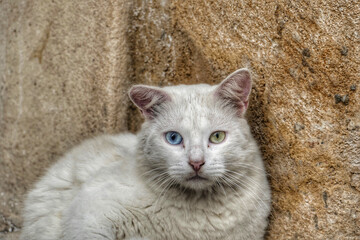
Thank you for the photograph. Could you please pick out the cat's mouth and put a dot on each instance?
(196, 178)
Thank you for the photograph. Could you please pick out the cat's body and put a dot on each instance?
(150, 187)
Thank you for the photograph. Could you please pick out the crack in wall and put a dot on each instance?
(9, 225)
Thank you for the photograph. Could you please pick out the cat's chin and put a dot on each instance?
(197, 183)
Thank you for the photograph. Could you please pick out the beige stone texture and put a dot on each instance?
(64, 77)
(66, 66)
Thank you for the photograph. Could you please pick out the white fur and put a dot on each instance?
(137, 187)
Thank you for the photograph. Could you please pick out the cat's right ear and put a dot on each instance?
(147, 99)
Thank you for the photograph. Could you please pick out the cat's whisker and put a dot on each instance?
(234, 181)
(154, 181)
(254, 196)
(159, 181)
(240, 199)
(229, 182)
(251, 192)
(247, 166)
(249, 169)
(255, 183)
(163, 192)
(246, 178)
(220, 185)
(240, 181)
(155, 176)
(153, 170)
(159, 188)
(252, 167)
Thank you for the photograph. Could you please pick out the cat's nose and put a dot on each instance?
(196, 165)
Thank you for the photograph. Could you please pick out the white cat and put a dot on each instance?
(192, 172)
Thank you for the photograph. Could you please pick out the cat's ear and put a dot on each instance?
(235, 90)
(147, 99)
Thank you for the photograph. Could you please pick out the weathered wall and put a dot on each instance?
(64, 75)
(66, 69)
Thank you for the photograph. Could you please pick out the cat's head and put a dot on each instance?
(194, 135)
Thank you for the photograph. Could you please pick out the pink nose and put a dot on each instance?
(196, 165)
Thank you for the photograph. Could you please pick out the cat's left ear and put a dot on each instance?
(148, 99)
(235, 90)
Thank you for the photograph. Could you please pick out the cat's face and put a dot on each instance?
(193, 135)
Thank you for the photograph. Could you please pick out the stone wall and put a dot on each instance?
(64, 77)
(66, 68)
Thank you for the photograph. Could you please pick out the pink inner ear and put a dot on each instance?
(146, 98)
(235, 89)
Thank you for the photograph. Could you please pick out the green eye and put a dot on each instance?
(217, 137)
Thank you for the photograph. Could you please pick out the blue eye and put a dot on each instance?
(173, 138)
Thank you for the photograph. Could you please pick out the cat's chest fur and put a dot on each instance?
(161, 213)
(117, 188)
(173, 217)
(197, 222)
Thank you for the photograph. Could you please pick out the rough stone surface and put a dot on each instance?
(66, 68)
(64, 77)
